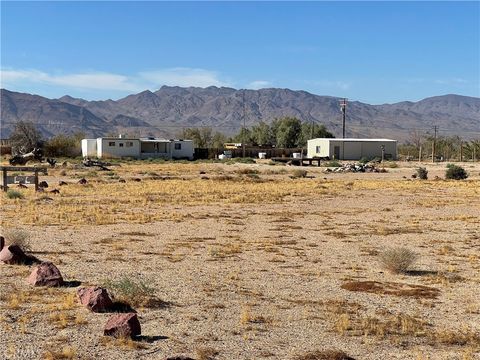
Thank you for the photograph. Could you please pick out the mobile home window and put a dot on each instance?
(129, 144)
(178, 146)
(111, 143)
(317, 150)
(121, 144)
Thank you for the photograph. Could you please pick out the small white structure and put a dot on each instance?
(112, 147)
(352, 149)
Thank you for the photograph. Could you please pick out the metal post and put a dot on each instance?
(244, 129)
(343, 108)
(5, 180)
(434, 143)
(36, 180)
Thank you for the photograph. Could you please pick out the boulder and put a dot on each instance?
(82, 181)
(123, 325)
(62, 183)
(45, 274)
(2, 242)
(95, 298)
(13, 254)
(55, 191)
(43, 184)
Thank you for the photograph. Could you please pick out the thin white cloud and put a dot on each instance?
(103, 81)
(181, 76)
(91, 80)
(259, 84)
(329, 84)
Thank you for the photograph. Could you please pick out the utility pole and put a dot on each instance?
(434, 142)
(343, 108)
(244, 128)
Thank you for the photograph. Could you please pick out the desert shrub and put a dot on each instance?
(332, 163)
(134, 291)
(324, 355)
(14, 194)
(398, 260)
(422, 173)
(18, 237)
(455, 172)
(298, 173)
(364, 160)
(390, 164)
(247, 171)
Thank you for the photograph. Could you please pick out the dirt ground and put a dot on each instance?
(250, 261)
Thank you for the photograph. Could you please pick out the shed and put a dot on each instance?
(352, 149)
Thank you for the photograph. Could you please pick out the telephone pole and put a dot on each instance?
(244, 128)
(343, 108)
(434, 142)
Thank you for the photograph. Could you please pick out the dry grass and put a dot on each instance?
(392, 288)
(324, 355)
(398, 260)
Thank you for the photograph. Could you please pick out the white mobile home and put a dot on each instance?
(112, 147)
(352, 149)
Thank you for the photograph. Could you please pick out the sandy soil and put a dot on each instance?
(255, 278)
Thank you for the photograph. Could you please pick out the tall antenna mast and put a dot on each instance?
(343, 108)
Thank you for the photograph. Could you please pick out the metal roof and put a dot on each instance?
(353, 139)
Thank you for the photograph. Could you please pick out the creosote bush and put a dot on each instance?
(398, 260)
(14, 194)
(455, 172)
(422, 173)
(18, 237)
(298, 173)
(135, 292)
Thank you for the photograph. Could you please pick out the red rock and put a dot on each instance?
(13, 254)
(45, 274)
(2, 242)
(123, 325)
(82, 181)
(178, 357)
(95, 298)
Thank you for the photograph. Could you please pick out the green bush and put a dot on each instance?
(455, 172)
(135, 292)
(14, 194)
(422, 173)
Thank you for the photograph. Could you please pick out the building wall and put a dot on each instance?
(185, 151)
(89, 147)
(355, 150)
(350, 150)
(312, 147)
(120, 148)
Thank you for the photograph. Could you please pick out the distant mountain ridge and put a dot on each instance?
(166, 111)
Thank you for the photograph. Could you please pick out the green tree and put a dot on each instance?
(64, 145)
(287, 132)
(319, 131)
(203, 137)
(262, 134)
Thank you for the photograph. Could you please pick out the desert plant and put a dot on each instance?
(135, 292)
(422, 173)
(18, 237)
(455, 172)
(298, 173)
(14, 194)
(398, 260)
(332, 163)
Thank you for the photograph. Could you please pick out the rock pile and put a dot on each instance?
(353, 167)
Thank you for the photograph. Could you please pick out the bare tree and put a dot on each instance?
(25, 137)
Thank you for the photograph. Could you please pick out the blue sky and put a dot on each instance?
(374, 52)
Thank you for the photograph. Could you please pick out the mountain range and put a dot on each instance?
(170, 109)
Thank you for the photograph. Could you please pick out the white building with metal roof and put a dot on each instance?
(142, 148)
(352, 149)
